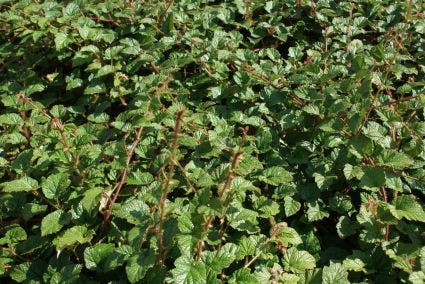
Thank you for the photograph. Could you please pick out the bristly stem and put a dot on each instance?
(55, 123)
(384, 195)
(123, 177)
(223, 195)
(372, 107)
(205, 228)
(247, 10)
(166, 188)
(25, 130)
(165, 11)
(29, 101)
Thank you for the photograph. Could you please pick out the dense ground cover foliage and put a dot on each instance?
(212, 141)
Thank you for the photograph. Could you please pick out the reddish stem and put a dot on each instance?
(123, 176)
(166, 188)
(384, 195)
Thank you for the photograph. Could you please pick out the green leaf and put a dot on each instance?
(61, 40)
(139, 264)
(354, 46)
(71, 9)
(53, 222)
(351, 172)
(105, 70)
(133, 211)
(32, 244)
(11, 119)
(93, 256)
(22, 184)
(408, 207)
(188, 271)
(247, 165)
(298, 261)
(72, 236)
(289, 278)
(386, 213)
(98, 117)
(291, 206)
(68, 274)
(13, 138)
(315, 212)
(14, 235)
(167, 25)
(417, 277)
(323, 182)
(221, 258)
(356, 262)
(4, 262)
(32, 209)
(35, 88)
(266, 207)
(94, 89)
(334, 273)
(377, 133)
(275, 176)
(28, 271)
(311, 277)
(402, 254)
(289, 236)
(139, 178)
(372, 179)
(73, 83)
(242, 219)
(394, 159)
(324, 99)
(54, 185)
(345, 227)
(91, 198)
(248, 245)
(243, 276)
(313, 109)
(341, 203)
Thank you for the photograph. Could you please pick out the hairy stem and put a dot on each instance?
(384, 195)
(123, 176)
(166, 187)
(165, 11)
(224, 192)
(55, 122)
(223, 195)
(205, 228)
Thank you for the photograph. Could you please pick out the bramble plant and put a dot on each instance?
(187, 141)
